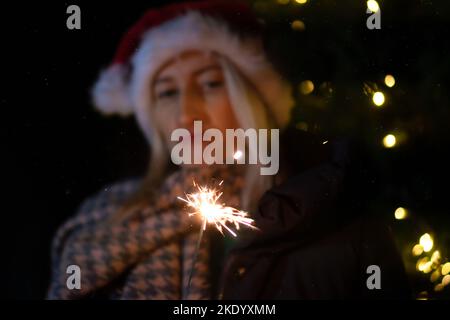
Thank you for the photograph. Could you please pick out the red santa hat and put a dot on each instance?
(227, 28)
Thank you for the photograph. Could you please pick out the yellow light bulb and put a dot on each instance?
(378, 98)
(301, 1)
(389, 141)
(446, 280)
(373, 5)
(435, 276)
(445, 268)
(436, 257)
(389, 80)
(426, 242)
(417, 250)
(439, 287)
(297, 25)
(400, 213)
(421, 263)
(306, 87)
(427, 267)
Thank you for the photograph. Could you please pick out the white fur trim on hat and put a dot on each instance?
(195, 31)
(110, 93)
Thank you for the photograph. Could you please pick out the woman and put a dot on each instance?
(205, 61)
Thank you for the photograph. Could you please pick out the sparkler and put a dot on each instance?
(204, 203)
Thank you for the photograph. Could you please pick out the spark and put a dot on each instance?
(205, 203)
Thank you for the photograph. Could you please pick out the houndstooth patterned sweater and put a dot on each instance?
(147, 256)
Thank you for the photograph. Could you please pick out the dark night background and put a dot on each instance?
(57, 150)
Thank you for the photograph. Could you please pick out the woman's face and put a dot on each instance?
(191, 87)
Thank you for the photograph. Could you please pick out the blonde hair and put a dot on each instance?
(250, 111)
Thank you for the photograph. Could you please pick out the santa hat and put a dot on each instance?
(227, 28)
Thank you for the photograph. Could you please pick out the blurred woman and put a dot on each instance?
(205, 61)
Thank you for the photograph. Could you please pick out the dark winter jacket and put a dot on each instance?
(316, 240)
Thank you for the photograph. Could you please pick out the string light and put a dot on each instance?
(389, 141)
(423, 295)
(426, 242)
(417, 250)
(298, 25)
(400, 213)
(427, 267)
(373, 5)
(389, 80)
(435, 276)
(436, 257)
(445, 268)
(438, 287)
(306, 87)
(446, 280)
(429, 264)
(378, 98)
(421, 263)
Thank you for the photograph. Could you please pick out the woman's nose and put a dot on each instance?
(191, 109)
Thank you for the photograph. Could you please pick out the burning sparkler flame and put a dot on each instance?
(204, 202)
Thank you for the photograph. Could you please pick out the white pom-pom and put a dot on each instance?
(110, 92)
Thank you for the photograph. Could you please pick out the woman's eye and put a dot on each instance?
(167, 93)
(212, 84)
